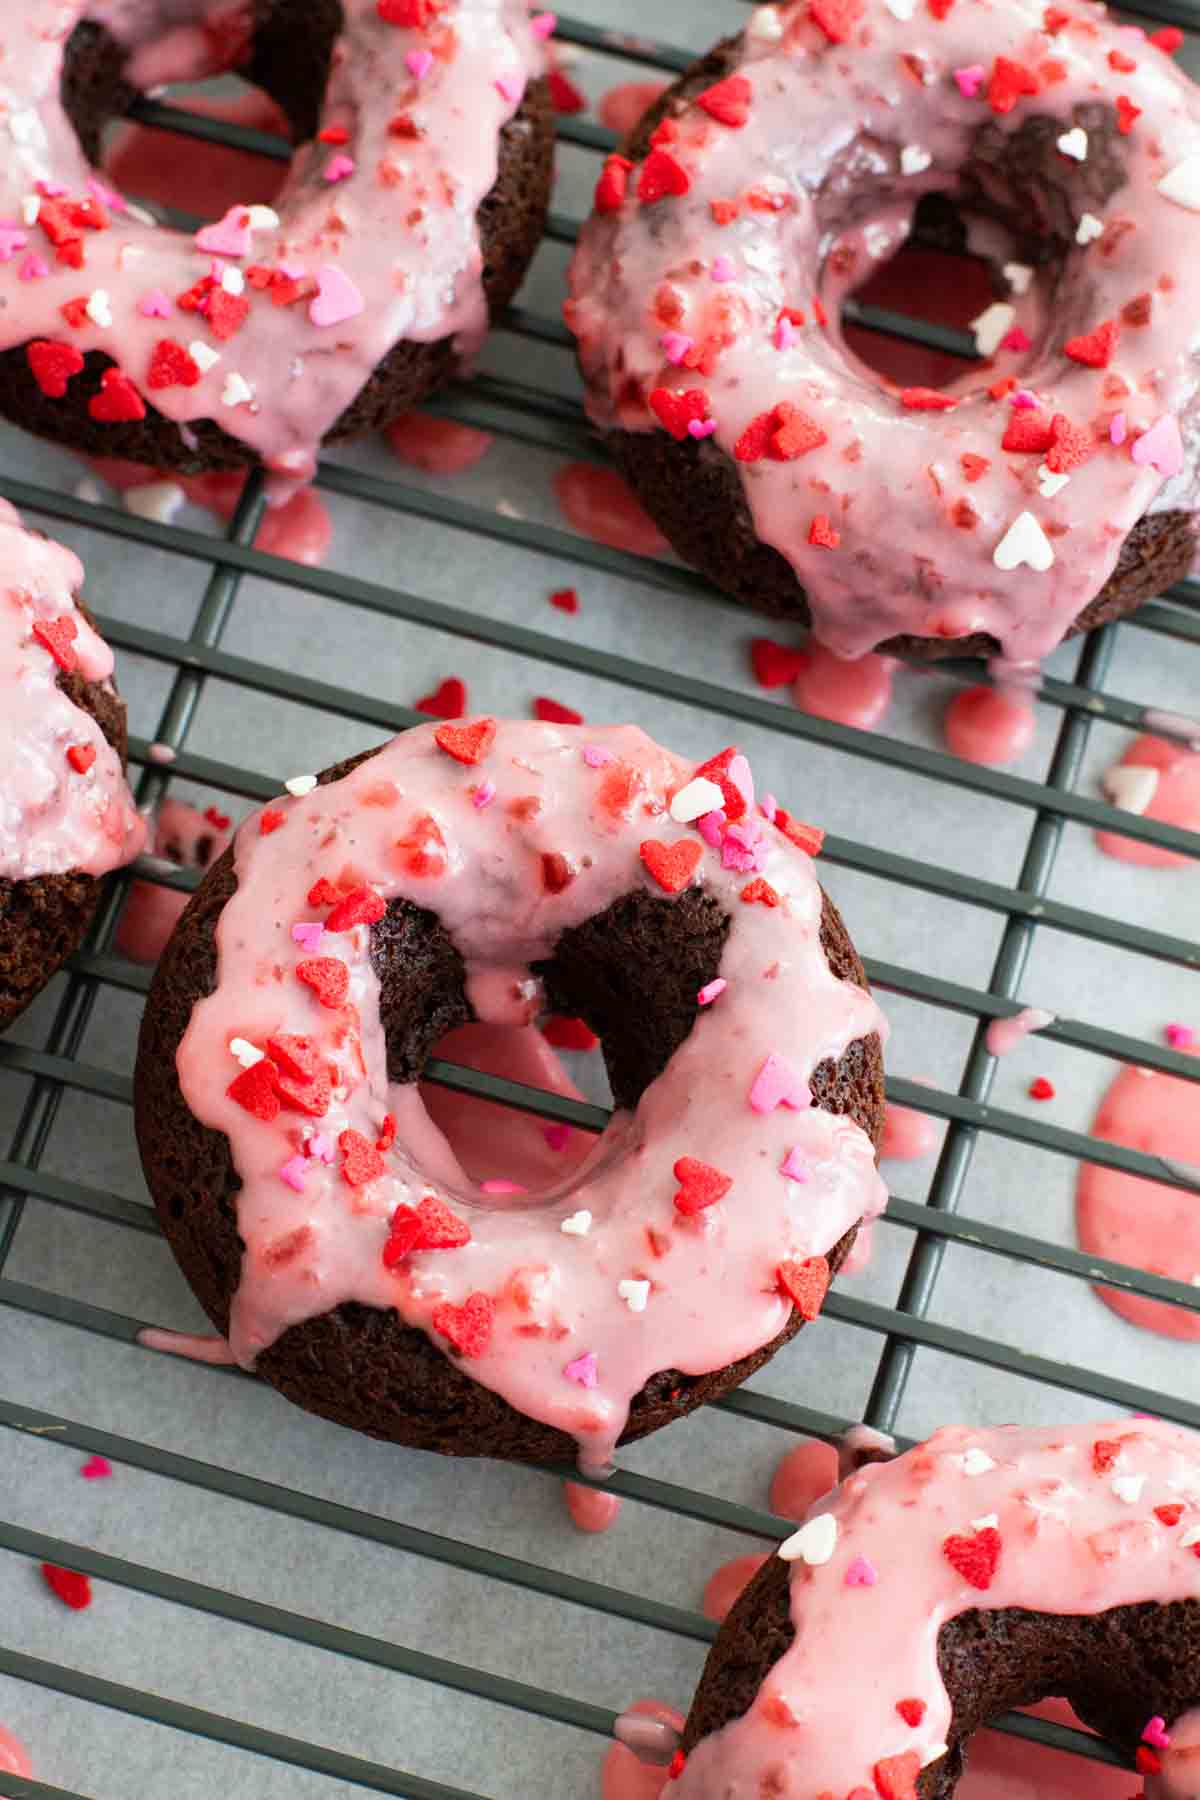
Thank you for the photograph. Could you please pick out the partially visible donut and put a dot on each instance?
(493, 870)
(66, 816)
(1051, 489)
(923, 1596)
(412, 209)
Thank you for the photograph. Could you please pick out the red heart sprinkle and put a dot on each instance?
(361, 1161)
(1147, 1762)
(729, 101)
(172, 366)
(333, 134)
(1124, 65)
(975, 1558)
(557, 872)
(1127, 114)
(939, 8)
(404, 1236)
(924, 399)
(1027, 431)
(1041, 1089)
(733, 802)
(81, 757)
(896, 1776)
(836, 18)
(328, 977)
(675, 412)
(225, 313)
(361, 906)
(1168, 1515)
(52, 365)
(564, 95)
(822, 534)
(58, 635)
(447, 701)
(311, 1097)
(296, 1056)
(1168, 39)
(568, 1034)
(672, 865)
(424, 847)
(662, 176)
(75, 312)
(759, 890)
(795, 433)
(1053, 20)
(911, 1711)
(73, 1589)
(775, 665)
(613, 184)
(1072, 446)
(1105, 1452)
(752, 446)
(806, 1284)
(254, 1089)
(553, 712)
(1094, 349)
(1008, 82)
(118, 402)
(387, 1132)
(269, 820)
(469, 1326)
(323, 893)
(700, 1185)
(441, 1229)
(466, 743)
(412, 14)
(974, 467)
(565, 599)
(808, 838)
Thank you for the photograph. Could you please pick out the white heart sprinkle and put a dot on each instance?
(766, 23)
(237, 390)
(244, 1051)
(262, 218)
(1182, 183)
(1129, 787)
(1018, 277)
(697, 798)
(232, 279)
(157, 500)
(989, 1522)
(914, 159)
(31, 206)
(992, 325)
(578, 1225)
(1190, 1538)
(1128, 1488)
(635, 1294)
(1074, 143)
(99, 308)
(1024, 542)
(976, 1461)
(901, 9)
(301, 785)
(813, 1544)
(1089, 227)
(203, 355)
(1049, 482)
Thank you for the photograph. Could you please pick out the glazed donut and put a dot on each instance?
(982, 1570)
(413, 207)
(1052, 489)
(66, 816)
(484, 871)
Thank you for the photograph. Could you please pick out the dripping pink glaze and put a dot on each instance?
(856, 692)
(625, 1776)
(600, 505)
(889, 477)
(725, 1586)
(438, 446)
(53, 818)
(14, 1758)
(1175, 801)
(1006, 1035)
(1145, 1223)
(803, 1475)
(410, 278)
(183, 836)
(989, 725)
(591, 1509)
(187, 1344)
(714, 1293)
(908, 1135)
(1069, 1544)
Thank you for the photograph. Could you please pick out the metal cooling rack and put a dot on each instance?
(517, 409)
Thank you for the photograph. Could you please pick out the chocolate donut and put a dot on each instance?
(1052, 489)
(484, 871)
(66, 816)
(981, 1571)
(415, 202)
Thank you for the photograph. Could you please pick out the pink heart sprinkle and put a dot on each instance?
(502, 1187)
(229, 236)
(777, 1084)
(337, 297)
(293, 1172)
(97, 1468)
(861, 1573)
(320, 1147)
(542, 24)
(34, 268)
(970, 79)
(675, 346)
(709, 993)
(594, 757)
(1180, 1037)
(53, 190)
(711, 827)
(1024, 399)
(483, 795)
(1161, 447)
(1016, 339)
(418, 63)
(510, 88)
(768, 806)
(794, 1165)
(1156, 1732)
(557, 1136)
(742, 779)
(701, 428)
(583, 1369)
(338, 167)
(1118, 431)
(723, 268)
(308, 934)
(155, 305)
(12, 239)
(786, 335)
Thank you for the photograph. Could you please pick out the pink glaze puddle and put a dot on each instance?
(1006, 1035)
(989, 725)
(803, 1475)
(622, 106)
(438, 446)
(908, 1135)
(599, 505)
(624, 1776)
(187, 1344)
(1176, 801)
(725, 1587)
(854, 693)
(1005, 1768)
(591, 1509)
(150, 914)
(300, 529)
(14, 1758)
(205, 179)
(1145, 1223)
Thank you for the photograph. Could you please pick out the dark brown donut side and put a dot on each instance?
(44, 921)
(694, 492)
(357, 1365)
(289, 61)
(1115, 1668)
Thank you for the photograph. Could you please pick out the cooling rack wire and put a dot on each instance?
(519, 411)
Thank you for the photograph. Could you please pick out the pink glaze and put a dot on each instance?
(724, 1588)
(591, 1509)
(188, 1345)
(599, 505)
(552, 1296)
(989, 725)
(1069, 1543)
(803, 1476)
(856, 692)
(1145, 1223)
(389, 253)
(826, 131)
(54, 817)
(1002, 1767)
(625, 1775)
(183, 836)
(298, 528)
(1175, 801)
(439, 446)
(14, 1758)
(205, 179)
(1006, 1035)
(908, 1135)
(622, 106)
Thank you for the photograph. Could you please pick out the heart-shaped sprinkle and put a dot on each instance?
(469, 1326)
(911, 1711)
(662, 177)
(467, 744)
(33, 267)
(794, 1165)
(675, 346)
(896, 1776)
(171, 366)
(701, 428)
(914, 159)
(52, 365)
(635, 1294)
(361, 906)
(671, 865)
(813, 1544)
(255, 1090)
(992, 325)
(155, 304)
(861, 1573)
(118, 401)
(98, 1468)
(1049, 483)
(975, 1558)
(1155, 1732)
(73, 1589)
(1128, 1488)
(418, 63)
(361, 1161)
(1074, 143)
(778, 1084)
(1094, 349)
(328, 977)
(729, 101)
(229, 236)
(1182, 183)
(678, 412)
(337, 298)
(339, 167)
(441, 1229)
(700, 1185)
(805, 1283)
(292, 1173)
(695, 798)
(1089, 227)
(244, 1053)
(447, 701)
(970, 80)
(1024, 542)
(1161, 447)
(976, 1461)
(578, 1225)
(583, 1369)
